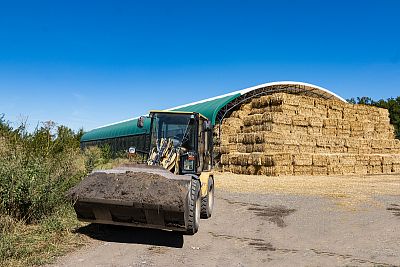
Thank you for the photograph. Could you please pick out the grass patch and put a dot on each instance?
(35, 244)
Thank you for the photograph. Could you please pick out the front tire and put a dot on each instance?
(207, 203)
(194, 208)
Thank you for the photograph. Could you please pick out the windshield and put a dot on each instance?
(179, 128)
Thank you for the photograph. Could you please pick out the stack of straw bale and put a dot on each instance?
(285, 134)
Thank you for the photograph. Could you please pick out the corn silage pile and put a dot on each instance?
(284, 134)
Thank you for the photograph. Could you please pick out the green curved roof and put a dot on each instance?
(208, 108)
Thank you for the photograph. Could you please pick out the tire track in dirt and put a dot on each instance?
(263, 245)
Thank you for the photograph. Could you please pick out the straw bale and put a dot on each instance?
(258, 148)
(375, 160)
(302, 170)
(396, 168)
(291, 148)
(336, 105)
(349, 114)
(273, 147)
(256, 159)
(233, 147)
(282, 128)
(259, 137)
(249, 148)
(307, 102)
(352, 150)
(338, 149)
(306, 149)
(375, 169)
(387, 169)
(364, 151)
(241, 148)
(276, 118)
(320, 103)
(322, 150)
(330, 122)
(324, 141)
(281, 159)
(396, 159)
(282, 98)
(335, 114)
(291, 141)
(315, 122)
(300, 120)
(233, 138)
(334, 170)
(322, 113)
(356, 126)
(305, 111)
(333, 159)
(234, 159)
(314, 131)
(320, 160)
(224, 149)
(319, 170)
(282, 170)
(347, 160)
(225, 159)
(302, 160)
(330, 131)
(357, 134)
(360, 169)
(348, 169)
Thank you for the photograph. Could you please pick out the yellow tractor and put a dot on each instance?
(181, 154)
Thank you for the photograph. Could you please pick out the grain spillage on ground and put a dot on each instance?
(284, 134)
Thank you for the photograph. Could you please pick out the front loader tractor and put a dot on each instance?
(181, 147)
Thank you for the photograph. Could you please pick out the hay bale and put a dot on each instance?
(315, 122)
(360, 169)
(300, 120)
(302, 170)
(375, 160)
(376, 169)
(302, 160)
(320, 160)
(319, 170)
(347, 160)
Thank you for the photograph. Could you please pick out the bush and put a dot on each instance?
(37, 168)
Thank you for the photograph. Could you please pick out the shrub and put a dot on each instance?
(37, 168)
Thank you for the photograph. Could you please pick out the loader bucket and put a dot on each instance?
(128, 213)
(141, 197)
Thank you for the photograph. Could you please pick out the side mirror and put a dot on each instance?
(140, 122)
(207, 126)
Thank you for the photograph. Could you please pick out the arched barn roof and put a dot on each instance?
(215, 108)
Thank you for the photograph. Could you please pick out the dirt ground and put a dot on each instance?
(268, 221)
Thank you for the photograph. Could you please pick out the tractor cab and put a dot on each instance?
(180, 142)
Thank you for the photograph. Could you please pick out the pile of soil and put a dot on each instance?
(139, 187)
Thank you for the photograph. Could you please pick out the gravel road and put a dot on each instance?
(253, 229)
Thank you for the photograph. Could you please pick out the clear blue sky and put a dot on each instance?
(89, 63)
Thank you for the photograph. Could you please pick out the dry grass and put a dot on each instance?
(36, 244)
(346, 190)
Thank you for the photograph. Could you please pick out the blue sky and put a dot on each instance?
(89, 63)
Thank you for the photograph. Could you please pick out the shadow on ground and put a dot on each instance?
(131, 235)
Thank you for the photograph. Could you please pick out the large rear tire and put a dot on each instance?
(207, 202)
(194, 208)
